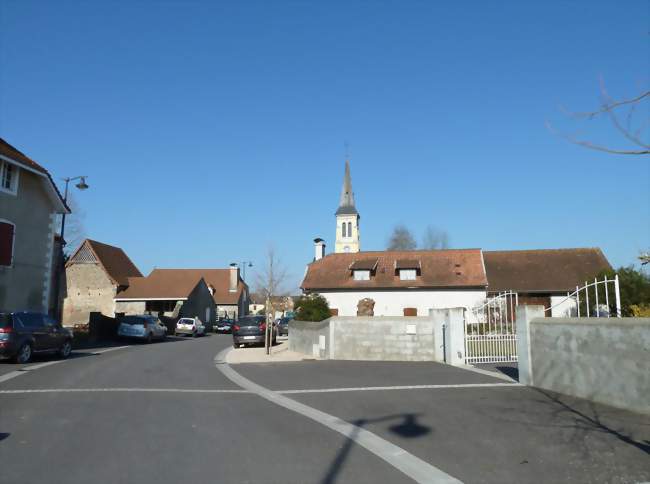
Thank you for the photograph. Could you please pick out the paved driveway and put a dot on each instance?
(166, 413)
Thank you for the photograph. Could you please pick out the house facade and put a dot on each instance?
(94, 275)
(29, 206)
(401, 283)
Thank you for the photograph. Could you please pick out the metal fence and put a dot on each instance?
(490, 330)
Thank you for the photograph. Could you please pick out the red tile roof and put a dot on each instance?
(178, 283)
(116, 263)
(439, 269)
(546, 270)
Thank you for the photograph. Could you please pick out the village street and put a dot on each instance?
(171, 412)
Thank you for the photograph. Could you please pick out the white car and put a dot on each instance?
(190, 326)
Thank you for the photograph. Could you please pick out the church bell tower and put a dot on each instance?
(347, 218)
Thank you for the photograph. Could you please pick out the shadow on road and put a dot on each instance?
(407, 428)
(3, 436)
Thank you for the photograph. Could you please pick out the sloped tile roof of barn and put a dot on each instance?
(543, 270)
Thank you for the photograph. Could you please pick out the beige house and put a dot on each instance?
(167, 291)
(29, 205)
(94, 275)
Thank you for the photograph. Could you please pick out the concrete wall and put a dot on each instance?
(310, 338)
(366, 338)
(392, 303)
(88, 289)
(26, 284)
(606, 360)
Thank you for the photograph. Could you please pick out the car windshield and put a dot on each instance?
(5, 320)
(186, 321)
(133, 320)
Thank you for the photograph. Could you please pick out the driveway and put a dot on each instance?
(167, 413)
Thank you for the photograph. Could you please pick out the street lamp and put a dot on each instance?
(82, 185)
(245, 263)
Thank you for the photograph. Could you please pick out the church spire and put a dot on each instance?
(346, 204)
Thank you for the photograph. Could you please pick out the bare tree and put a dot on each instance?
(622, 113)
(269, 283)
(401, 239)
(435, 239)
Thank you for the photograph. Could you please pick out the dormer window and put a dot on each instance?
(407, 274)
(362, 270)
(8, 177)
(361, 275)
(407, 269)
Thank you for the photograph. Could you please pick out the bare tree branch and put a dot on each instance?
(590, 145)
(435, 239)
(401, 239)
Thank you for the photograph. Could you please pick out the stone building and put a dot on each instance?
(94, 275)
(29, 206)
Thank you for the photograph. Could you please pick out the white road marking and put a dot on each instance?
(406, 387)
(27, 369)
(412, 466)
(117, 390)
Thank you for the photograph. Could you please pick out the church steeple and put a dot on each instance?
(347, 217)
(346, 203)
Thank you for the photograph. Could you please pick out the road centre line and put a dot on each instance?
(406, 387)
(412, 466)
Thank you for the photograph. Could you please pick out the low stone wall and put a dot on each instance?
(310, 338)
(606, 360)
(366, 338)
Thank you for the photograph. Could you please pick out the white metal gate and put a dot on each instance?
(490, 330)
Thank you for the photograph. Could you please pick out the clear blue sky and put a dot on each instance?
(210, 129)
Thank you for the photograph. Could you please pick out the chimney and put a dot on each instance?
(319, 248)
(234, 277)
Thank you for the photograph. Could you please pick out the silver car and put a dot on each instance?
(190, 326)
(145, 328)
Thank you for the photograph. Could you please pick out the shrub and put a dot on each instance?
(312, 307)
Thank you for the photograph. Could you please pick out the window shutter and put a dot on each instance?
(6, 243)
(410, 311)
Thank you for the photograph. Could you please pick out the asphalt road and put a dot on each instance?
(165, 413)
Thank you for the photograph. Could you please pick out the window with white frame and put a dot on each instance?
(407, 274)
(361, 275)
(8, 177)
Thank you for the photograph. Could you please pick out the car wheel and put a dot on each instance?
(66, 349)
(24, 353)
(235, 345)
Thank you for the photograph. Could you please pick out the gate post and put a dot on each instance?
(524, 316)
(439, 318)
(455, 336)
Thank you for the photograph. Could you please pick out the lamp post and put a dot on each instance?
(82, 185)
(245, 263)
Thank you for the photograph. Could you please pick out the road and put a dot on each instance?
(168, 412)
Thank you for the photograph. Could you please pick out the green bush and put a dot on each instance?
(312, 307)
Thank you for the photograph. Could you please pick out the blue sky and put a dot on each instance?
(209, 130)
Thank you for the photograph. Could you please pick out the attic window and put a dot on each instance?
(407, 274)
(361, 275)
(8, 177)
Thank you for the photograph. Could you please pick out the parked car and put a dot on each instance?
(251, 330)
(23, 334)
(283, 326)
(144, 328)
(224, 326)
(190, 326)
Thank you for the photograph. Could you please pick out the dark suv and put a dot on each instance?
(25, 333)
